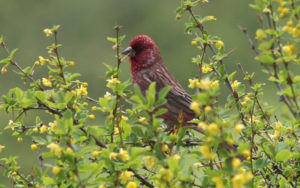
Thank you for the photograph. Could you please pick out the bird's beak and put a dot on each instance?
(129, 51)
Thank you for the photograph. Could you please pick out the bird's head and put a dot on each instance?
(142, 51)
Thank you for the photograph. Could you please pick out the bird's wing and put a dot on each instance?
(178, 98)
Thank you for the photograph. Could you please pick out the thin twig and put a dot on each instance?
(58, 59)
(18, 174)
(143, 180)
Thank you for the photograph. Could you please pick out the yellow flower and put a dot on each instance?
(235, 84)
(209, 139)
(295, 32)
(266, 10)
(131, 185)
(111, 116)
(113, 155)
(236, 162)
(202, 125)
(33, 147)
(3, 70)
(125, 176)
(283, 12)
(195, 107)
(205, 84)
(206, 152)
(194, 43)
(213, 128)
(84, 84)
(20, 139)
(204, 1)
(238, 128)
(197, 165)
(112, 82)
(69, 150)
(43, 60)
(239, 180)
(148, 148)
(246, 153)
(116, 130)
(43, 129)
(276, 135)
(218, 181)
(1, 148)
(230, 141)
(92, 116)
(215, 84)
(102, 186)
(46, 82)
(219, 44)
(94, 108)
(212, 18)
(48, 32)
(149, 161)
(125, 118)
(207, 109)
(71, 63)
(143, 120)
(124, 155)
(53, 126)
(96, 154)
(165, 148)
(287, 49)
(36, 63)
(107, 96)
(278, 126)
(206, 69)
(82, 90)
(176, 157)
(194, 83)
(165, 174)
(244, 103)
(260, 34)
(35, 130)
(55, 148)
(56, 170)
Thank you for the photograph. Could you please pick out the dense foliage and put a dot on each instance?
(245, 144)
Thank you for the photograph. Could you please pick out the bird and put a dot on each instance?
(147, 66)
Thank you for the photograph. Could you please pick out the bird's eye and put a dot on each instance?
(138, 48)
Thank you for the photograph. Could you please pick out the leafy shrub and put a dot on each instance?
(244, 144)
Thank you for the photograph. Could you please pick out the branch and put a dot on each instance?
(143, 180)
(18, 174)
(275, 74)
(227, 81)
(97, 141)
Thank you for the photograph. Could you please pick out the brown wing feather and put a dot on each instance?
(178, 98)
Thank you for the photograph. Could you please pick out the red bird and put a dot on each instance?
(146, 67)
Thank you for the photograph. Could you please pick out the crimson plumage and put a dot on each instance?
(146, 67)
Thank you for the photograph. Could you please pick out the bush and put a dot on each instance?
(244, 144)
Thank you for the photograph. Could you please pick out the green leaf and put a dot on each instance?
(138, 97)
(283, 155)
(12, 53)
(266, 59)
(40, 95)
(151, 93)
(260, 163)
(48, 181)
(111, 39)
(230, 77)
(162, 95)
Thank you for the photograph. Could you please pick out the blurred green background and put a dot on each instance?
(85, 25)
